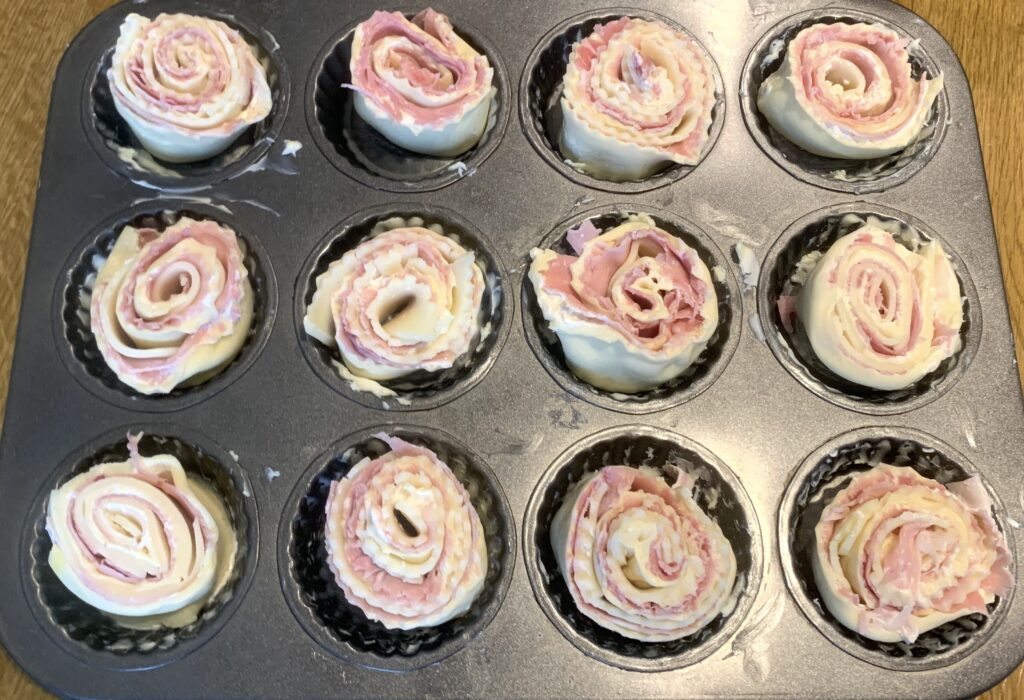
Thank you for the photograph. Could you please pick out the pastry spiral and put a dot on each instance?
(633, 310)
(879, 314)
(419, 83)
(403, 539)
(640, 557)
(171, 307)
(637, 96)
(187, 86)
(898, 554)
(407, 299)
(139, 538)
(846, 91)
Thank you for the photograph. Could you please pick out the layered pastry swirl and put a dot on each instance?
(172, 307)
(640, 557)
(403, 539)
(632, 310)
(407, 299)
(140, 538)
(879, 314)
(187, 86)
(419, 83)
(898, 554)
(846, 91)
(637, 96)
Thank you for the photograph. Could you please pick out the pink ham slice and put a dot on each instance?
(640, 557)
(403, 539)
(442, 84)
(899, 554)
(171, 305)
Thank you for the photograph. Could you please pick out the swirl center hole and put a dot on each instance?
(407, 526)
(848, 74)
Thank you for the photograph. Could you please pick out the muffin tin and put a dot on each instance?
(757, 426)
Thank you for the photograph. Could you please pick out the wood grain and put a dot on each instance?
(988, 35)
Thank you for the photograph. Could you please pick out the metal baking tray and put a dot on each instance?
(764, 431)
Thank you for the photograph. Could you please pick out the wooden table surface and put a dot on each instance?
(988, 35)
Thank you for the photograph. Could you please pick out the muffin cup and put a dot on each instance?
(72, 293)
(364, 154)
(421, 389)
(123, 153)
(718, 492)
(92, 636)
(698, 376)
(816, 232)
(841, 175)
(319, 604)
(540, 92)
(815, 483)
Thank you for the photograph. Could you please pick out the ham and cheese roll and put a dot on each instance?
(879, 314)
(171, 307)
(187, 86)
(898, 554)
(632, 310)
(640, 557)
(407, 299)
(403, 539)
(637, 96)
(140, 538)
(419, 83)
(846, 91)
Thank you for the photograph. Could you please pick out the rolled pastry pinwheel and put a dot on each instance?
(419, 83)
(637, 96)
(139, 538)
(878, 314)
(898, 554)
(172, 307)
(846, 91)
(640, 557)
(633, 310)
(187, 86)
(403, 539)
(405, 300)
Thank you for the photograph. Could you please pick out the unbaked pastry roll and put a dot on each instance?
(187, 86)
(403, 539)
(846, 91)
(898, 554)
(632, 310)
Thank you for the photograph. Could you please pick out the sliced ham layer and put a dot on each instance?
(173, 306)
(419, 83)
(403, 539)
(133, 538)
(879, 314)
(636, 301)
(408, 299)
(846, 91)
(899, 554)
(637, 96)
(640, 557)
(186, 84)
